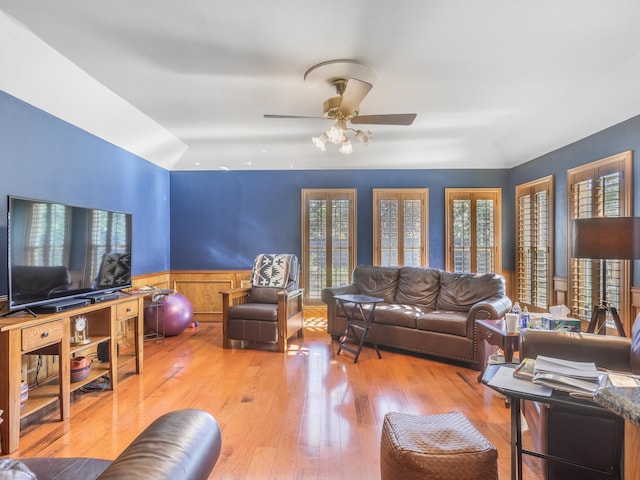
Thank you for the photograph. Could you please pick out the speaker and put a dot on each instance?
(103, 351)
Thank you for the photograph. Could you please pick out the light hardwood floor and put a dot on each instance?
(306, 414)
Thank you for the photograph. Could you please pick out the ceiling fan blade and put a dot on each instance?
(354, 93)
(269, 115)
(389, 119)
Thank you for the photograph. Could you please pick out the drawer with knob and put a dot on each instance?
(41, 335)
(126, 310)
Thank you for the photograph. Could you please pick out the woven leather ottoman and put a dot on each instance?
(435, 447)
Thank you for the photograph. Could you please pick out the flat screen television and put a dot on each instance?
(58, 251)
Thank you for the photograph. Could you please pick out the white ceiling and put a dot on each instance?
(185, 83)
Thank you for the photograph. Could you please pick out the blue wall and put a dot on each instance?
(46, 158)
(223, 219)
(616, 139)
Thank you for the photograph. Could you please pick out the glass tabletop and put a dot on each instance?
(359, 298)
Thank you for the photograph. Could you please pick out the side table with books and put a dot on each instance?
(500, 377)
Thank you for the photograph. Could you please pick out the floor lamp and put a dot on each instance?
(606, 238)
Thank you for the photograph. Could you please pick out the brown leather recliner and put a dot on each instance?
(596, 439)
(270, 311)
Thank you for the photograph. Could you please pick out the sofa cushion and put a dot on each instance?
(460, 291)
(264, 294)
(377, 281)
(418, 286)
(452, 323)
(394, 314)
(267, 312)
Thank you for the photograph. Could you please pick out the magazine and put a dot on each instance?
(581, 378)
(525, 369)
(568, 384)
(583, 370)
(504, 380)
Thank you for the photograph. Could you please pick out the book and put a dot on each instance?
(525, 370)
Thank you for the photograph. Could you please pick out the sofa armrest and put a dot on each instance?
(327, 297)
(605, 351)
(329, 292)
(490, 308)
(182, 444)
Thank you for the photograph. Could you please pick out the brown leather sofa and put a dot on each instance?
(183, 444)
(596, 439)
(425, 310)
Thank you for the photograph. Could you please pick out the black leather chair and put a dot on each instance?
(270, 310)
(183, 444)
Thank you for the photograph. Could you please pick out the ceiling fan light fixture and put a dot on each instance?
(320, 142)
(346, 147)
(364, 137)
(336, 134)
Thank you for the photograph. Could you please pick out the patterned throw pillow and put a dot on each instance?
(271, 270)
(14, 470)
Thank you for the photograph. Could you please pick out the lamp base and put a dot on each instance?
(599, 320)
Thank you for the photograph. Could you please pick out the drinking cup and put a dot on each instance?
(511, 320)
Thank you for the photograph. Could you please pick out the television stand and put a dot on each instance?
(50, 335)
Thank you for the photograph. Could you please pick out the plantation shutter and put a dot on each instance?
(600, 189)
(328, 240)
(400, 227)
(534, 243)
(473, 230)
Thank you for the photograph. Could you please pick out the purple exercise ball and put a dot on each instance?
(175, 311)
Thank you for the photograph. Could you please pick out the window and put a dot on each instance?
(534, 243)
(400, 227)
(473, 224)
(599, 189)
(328, 240)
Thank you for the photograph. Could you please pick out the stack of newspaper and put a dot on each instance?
(566, 375)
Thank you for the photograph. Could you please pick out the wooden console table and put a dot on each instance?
(50, 334)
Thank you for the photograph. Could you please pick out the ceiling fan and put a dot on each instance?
(349, 78)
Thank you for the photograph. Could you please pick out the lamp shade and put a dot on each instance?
(612, 238)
